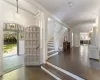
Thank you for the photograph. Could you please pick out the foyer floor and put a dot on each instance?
(12, 62)
(27, 73)
(77, 62)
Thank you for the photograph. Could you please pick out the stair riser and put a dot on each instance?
(50, 43)
(51, 47)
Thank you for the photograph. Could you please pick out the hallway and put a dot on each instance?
(44, 29)
(77, 62)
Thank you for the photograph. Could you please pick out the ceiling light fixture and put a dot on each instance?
(70, 3)
(17, 15)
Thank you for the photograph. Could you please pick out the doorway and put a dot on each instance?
(11, 58)
(84, 38)
(10, 43)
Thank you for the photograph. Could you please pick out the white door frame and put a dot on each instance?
(1, 48)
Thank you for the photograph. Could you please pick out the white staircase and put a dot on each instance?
(51, 48)
(53, 43)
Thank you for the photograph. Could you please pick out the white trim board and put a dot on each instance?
(57, 78)
(53, 55)
(66, 72)
(51, 51)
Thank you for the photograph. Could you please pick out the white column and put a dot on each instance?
(1, 48)
(97, 39)
(69, 35)
(42, 22)
(93, 38)
(71, 38)
(45, 24)
(98, 21)
(76, 39)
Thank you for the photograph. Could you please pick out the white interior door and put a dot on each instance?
(1, 48)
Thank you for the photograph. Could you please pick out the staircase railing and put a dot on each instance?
(60, 32)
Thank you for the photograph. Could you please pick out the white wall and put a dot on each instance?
(51, 29)
(59, 33)
(76, 39)
(7, 14)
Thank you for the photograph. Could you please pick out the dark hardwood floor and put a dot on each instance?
(27, 73)
(77, 62)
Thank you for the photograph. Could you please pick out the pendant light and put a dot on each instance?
(17, 15)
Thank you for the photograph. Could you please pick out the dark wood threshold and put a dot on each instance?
(57, 73)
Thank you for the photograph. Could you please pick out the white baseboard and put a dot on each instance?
(57, 78)
(66, 72)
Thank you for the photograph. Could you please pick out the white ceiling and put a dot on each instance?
(25, 6)
(81, 14)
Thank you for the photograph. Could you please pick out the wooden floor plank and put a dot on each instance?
(27, 73)
(77, 62)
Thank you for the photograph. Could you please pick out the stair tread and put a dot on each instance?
(49, 49)
(51, 53)
(58, 73)
(50, 45)
(50, 41)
